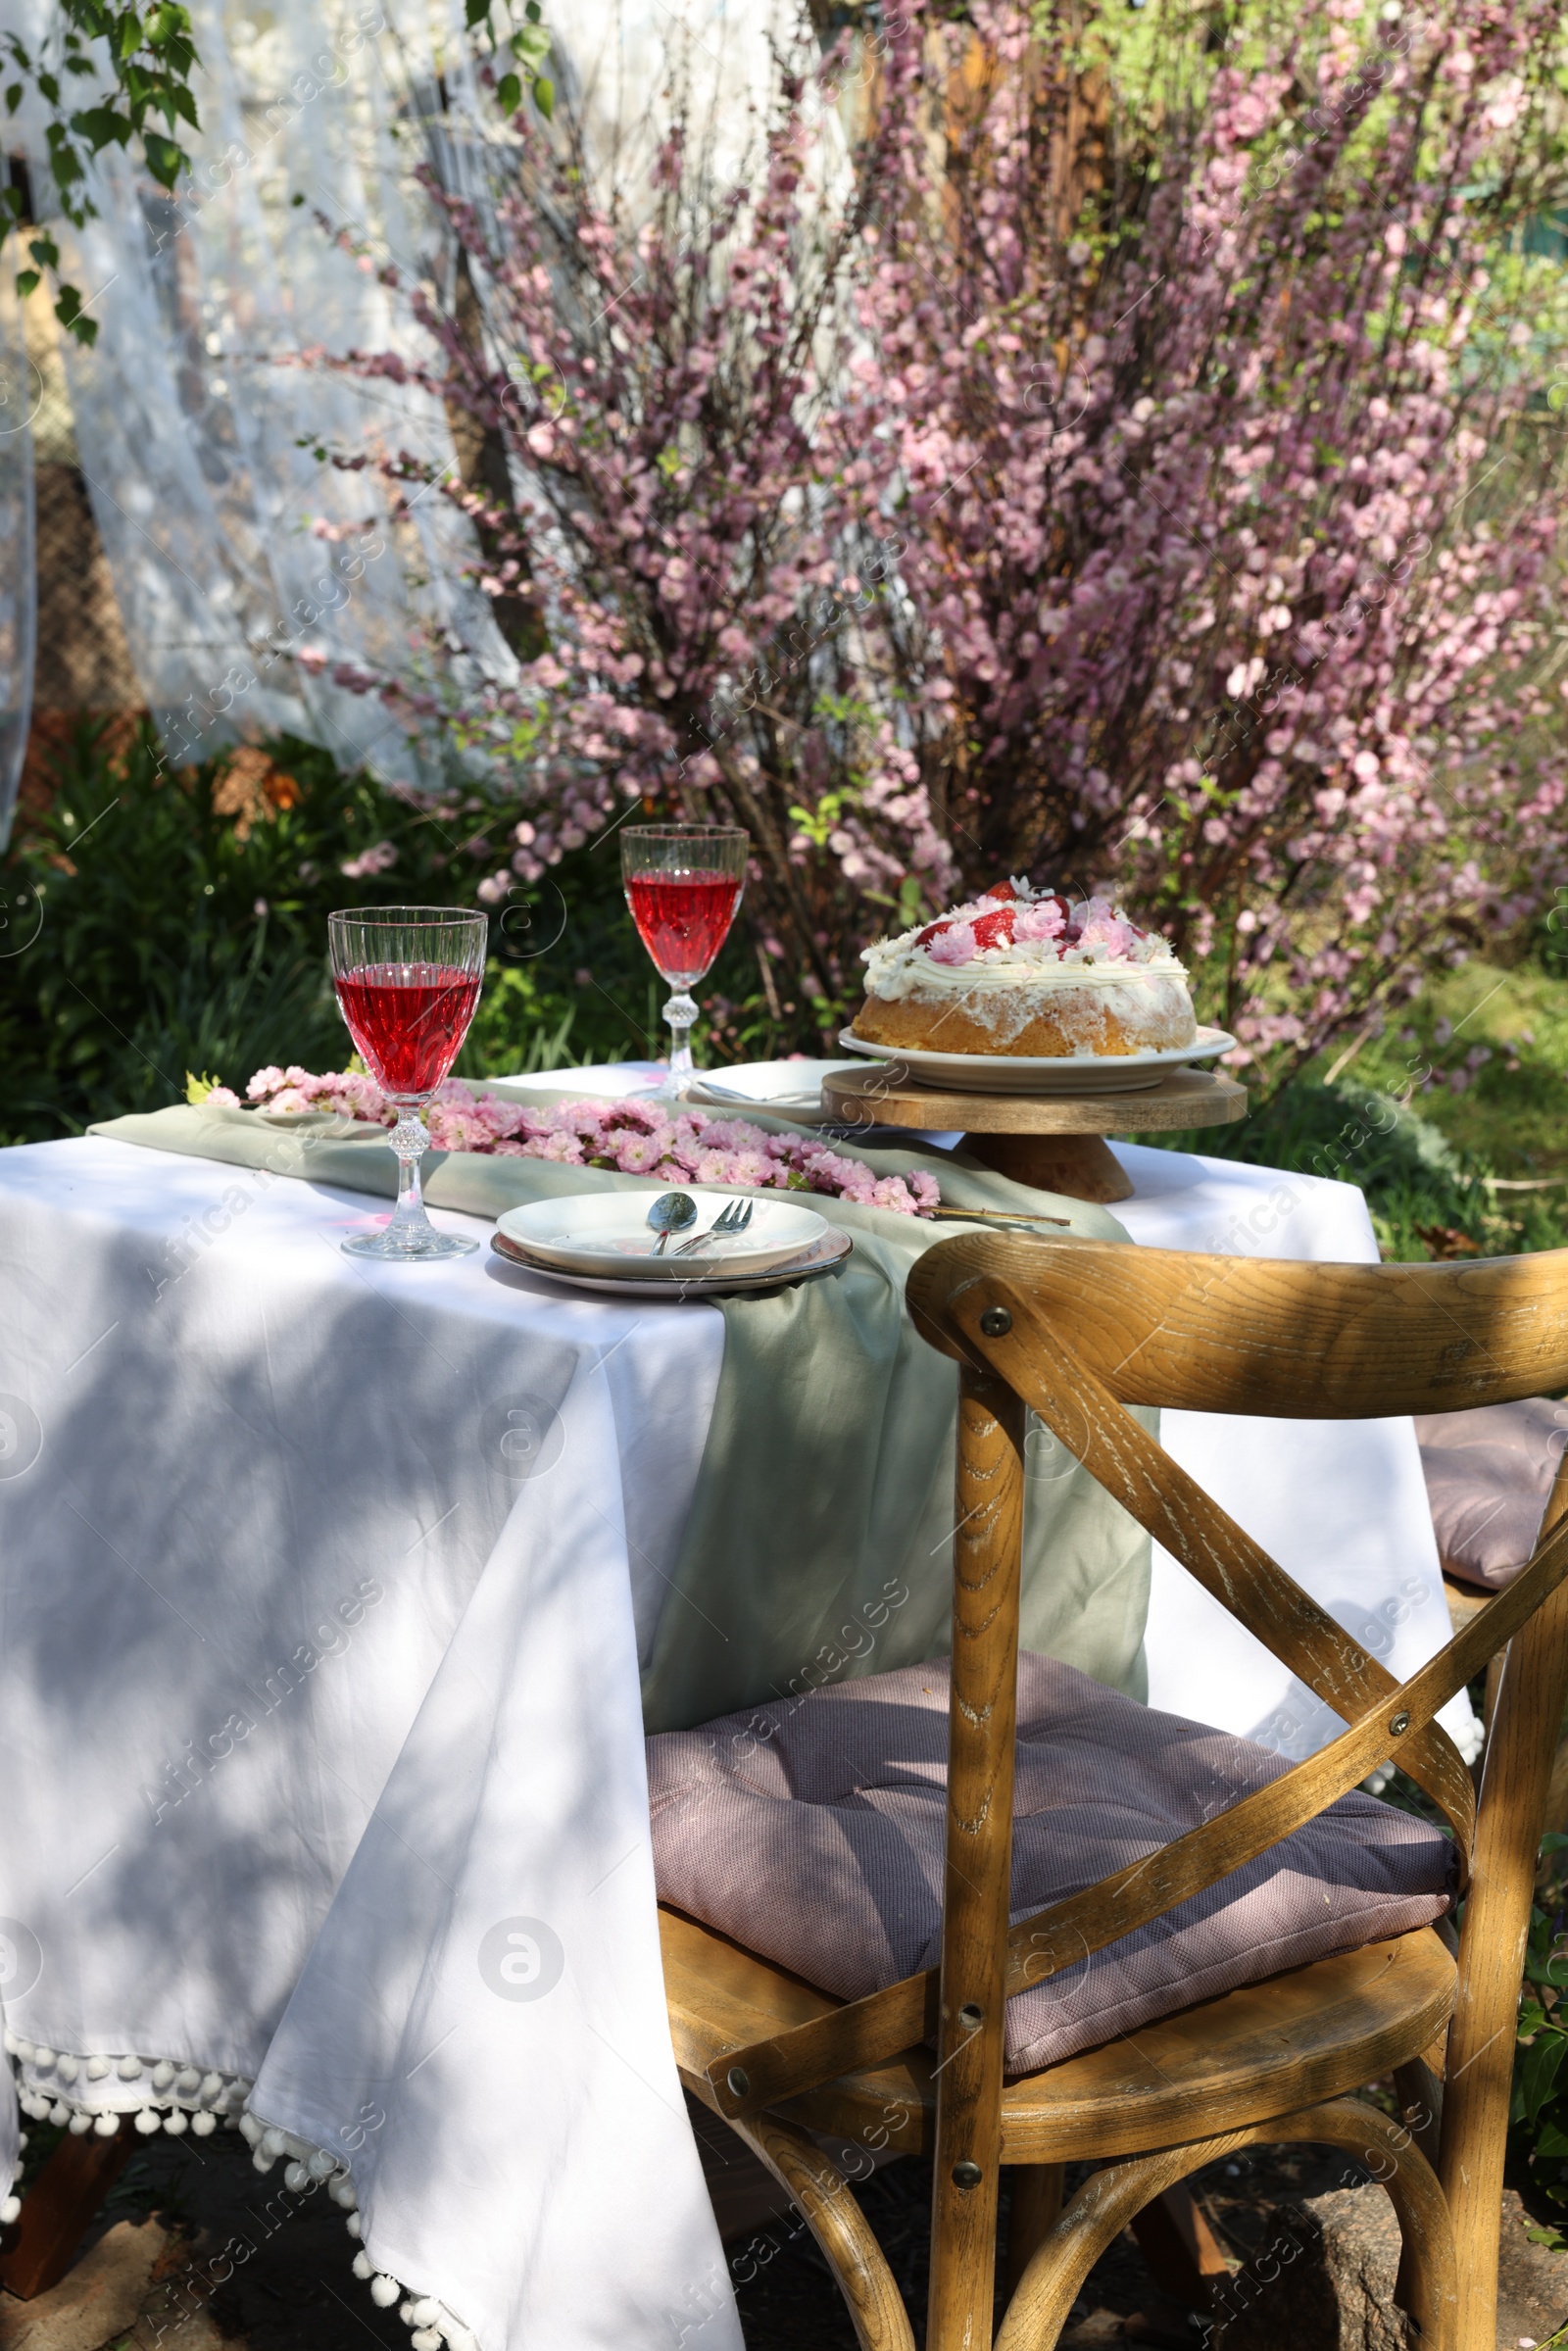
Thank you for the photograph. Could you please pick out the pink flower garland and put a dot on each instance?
(638, 1137)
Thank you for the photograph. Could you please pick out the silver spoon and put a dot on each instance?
(671, 1212)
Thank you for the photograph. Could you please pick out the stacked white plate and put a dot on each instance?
(602, 1241)
(784, 1088)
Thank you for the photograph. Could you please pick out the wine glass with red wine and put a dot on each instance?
(408, 980)
(683, 883)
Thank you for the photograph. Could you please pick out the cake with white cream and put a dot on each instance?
(1028, 972)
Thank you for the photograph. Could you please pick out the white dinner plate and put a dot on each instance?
(820, 1257)
(786, 1089)
(607, 1234)
(1045, 1073)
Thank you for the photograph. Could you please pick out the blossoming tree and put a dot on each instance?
(1139, 475)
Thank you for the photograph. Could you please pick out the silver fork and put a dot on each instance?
(733, 1219)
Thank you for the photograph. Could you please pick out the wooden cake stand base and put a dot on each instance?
(1052, 1141)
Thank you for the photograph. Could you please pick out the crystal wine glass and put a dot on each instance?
(407, 979)
(683, 883)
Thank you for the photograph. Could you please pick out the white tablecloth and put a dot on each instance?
(1341, 1504)
(426, 1513)
(396, 1522)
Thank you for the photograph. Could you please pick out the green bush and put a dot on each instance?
(148, 935)
(1427, 1198)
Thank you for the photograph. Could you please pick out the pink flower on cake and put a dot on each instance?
(956, 945)
(1103, 927)
(1045, 921)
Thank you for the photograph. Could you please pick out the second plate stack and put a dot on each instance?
(598, 1241)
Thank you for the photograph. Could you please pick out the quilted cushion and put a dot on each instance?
(811, 1830)
(1489, 1472)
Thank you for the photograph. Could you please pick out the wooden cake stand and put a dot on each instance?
(1054, 1142)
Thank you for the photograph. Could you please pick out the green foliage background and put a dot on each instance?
(146, 935)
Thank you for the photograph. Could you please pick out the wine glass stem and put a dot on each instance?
(680, 1012)
(409, 1141)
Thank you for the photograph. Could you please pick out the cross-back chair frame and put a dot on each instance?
(1077, 1331)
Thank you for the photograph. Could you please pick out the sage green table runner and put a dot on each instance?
(818, 1546)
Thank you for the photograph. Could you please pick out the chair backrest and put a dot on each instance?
(1288, 1340)
(1078, 1330)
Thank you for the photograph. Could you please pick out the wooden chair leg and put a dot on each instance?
(1037, 2190)
(987, 1547)
(841, 2231)
(41, 2244)
(1521, 1745)
(1180, 2249)
(1101, 2209)
(1108, 2201)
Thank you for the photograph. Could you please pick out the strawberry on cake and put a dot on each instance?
(1026, 972)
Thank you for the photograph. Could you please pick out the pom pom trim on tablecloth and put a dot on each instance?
(96, 2092)
(160, 2093)
(433, 2326)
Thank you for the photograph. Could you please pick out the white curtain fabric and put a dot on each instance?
(19, 606)
(252, 575)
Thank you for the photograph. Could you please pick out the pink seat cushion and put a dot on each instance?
(1489, 1472)
(811, 1830)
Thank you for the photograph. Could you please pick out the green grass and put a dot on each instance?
(1503, 1034)
(1481, 1056)
(1453, 1122)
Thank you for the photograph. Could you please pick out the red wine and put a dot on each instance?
(407, 1020)
(684, 918)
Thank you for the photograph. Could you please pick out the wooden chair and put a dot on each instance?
(1079, 1330)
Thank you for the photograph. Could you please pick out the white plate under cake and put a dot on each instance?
(1027, 972)
(1093, 1074)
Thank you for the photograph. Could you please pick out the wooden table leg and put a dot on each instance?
(1036, 2208)
(1179, 2247)
(40, 2245)
(1083, 1166)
